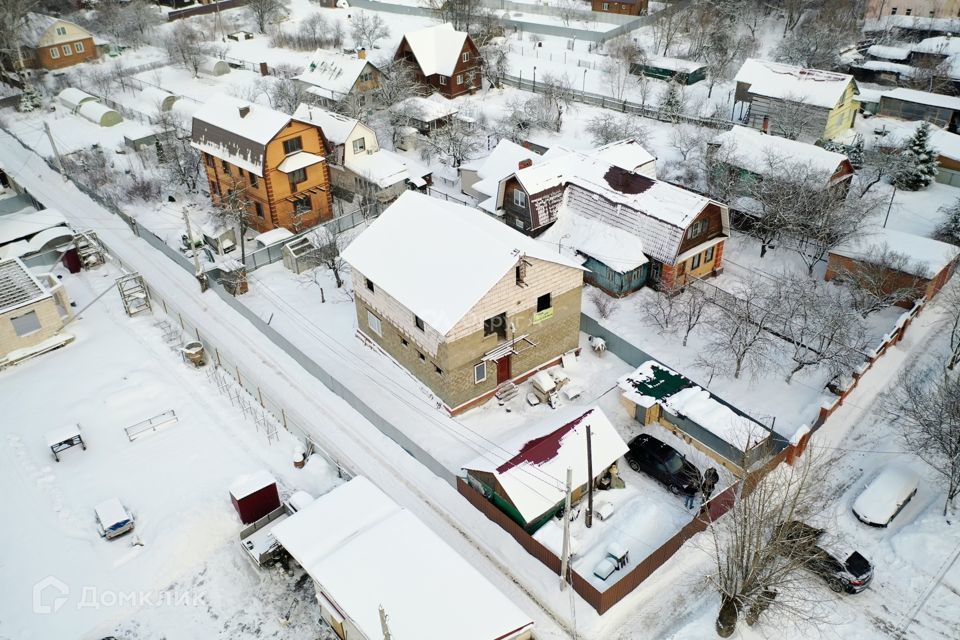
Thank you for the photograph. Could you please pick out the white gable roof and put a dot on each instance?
(627, 154)
(336, 127)
(437, 48)
(760, 153)
(812, 86)
(438, 259)
(927, 256)
(365, 551)
(503, 161)
(539, 455)
(332, 72)
(614, 246)
(923, 97)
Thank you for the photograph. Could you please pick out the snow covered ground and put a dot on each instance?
(183, 559)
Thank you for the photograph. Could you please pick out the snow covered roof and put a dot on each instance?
(787, 82)
(762, 154)
(336, 127)
(618, 248)
(273, 236)
(18, 287)
(236, 131)
(365, 552)
(673, 64)
(62, 434)
(20, 248)
(503, 161)
(28, 221)
(927, 256)
(884, 65)
(71, 98)
(923, 97)
(944, 45)
(298, 160)
(382, 167)
(888, 53)
(534, 474)
(36, 25)
(427, 109)
(627, 154)
(653, 382)
(251, 483)
(437, 258)
(437, 48)
(332, 72)
(95, 112)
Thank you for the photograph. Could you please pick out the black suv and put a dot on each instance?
(658, 459)
(851, 575)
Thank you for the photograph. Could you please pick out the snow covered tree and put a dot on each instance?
(920, 162)
(739, 339)
(883, 278)
(672, 103)
(496, 62)
(622, 54)
(366, 28)
(184, 45)
(30, 99)
(604, 129)
(266, 12)
(949, 229)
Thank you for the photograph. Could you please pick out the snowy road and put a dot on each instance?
(344, 432)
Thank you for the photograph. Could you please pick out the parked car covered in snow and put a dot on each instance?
(886, 496)
(658, 459)
(852, 574)
(112, 518)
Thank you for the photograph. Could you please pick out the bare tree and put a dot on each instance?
(608, 128)
(13, 14)
(883, 277)
(457, 141)
(926, 405)
(495, 62)
(366, 28)
(398, 81)
(831, 221)
(691, 307)
(722, 50)
(234, 209)
(661, 311)
(266, 12)
(687, 139)
(286, 94)
(555, 97)
(330, 242)
(605, 304)
(184, 46)
(812, 44)
(762, 548)
(879, 163)
(622, 54)
(179, 161)
(950, 299)
(739, 337)
(667, 27)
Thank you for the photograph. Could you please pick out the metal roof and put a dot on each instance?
(18, 286)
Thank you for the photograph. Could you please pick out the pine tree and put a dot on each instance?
(949, 229)
(920, 162)
(29, 100)
(672, 102)
(161, 157)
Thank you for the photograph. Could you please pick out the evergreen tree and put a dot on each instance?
(30, 99)
(672, 103)
(949, 229)
(161, 157)
(920, 162)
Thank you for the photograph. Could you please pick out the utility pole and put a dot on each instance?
(889, 205)
(589, 519)
(196, 258)
(565, 560)
(56, 152)
(383, 624)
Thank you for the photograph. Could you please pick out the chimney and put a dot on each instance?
(362, 53)
(523, 164)
(244, 111)
(766, 124)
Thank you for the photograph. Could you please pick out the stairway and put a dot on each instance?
(134, 294)
(507, 391)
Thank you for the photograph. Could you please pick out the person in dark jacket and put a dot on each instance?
(710, 479)
(690, 492)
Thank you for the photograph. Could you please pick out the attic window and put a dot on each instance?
(496, 325)
(61, 31)
(359, 145)
(466, 56)
(520, 198)
(292, 145)
(697, 229)
(418, 321)
(369, 284)
(521, 273)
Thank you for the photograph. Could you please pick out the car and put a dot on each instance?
(886, 496)
(807, 543)
(113, 520)
(658, 459)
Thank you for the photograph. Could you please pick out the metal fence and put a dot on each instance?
(201, 9)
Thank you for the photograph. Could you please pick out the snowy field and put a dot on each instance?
(181, 571)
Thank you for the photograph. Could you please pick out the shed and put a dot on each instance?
(683, 71)
(254, 496)
(99, 114)
(909, 104)
(274, 236)
(214, 67)
(527, 481)
(72, 98)
(158, 98)
(300, 255)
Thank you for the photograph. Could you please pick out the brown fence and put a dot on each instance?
(201, 9)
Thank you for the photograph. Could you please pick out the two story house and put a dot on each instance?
(53, 43)
(793, 102)
(461, 301)
(444, 59)
(278, 161)
(626, 7)
(332, 78)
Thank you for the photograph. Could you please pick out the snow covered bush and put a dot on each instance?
(920, 162)
(949, 229)
(604, 303)
(605, 129)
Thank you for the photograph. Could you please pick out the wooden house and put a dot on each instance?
(444, 59)
(333, 78)
(52, 43)
(929, 263)
(276, 161)
(548, 448)
(33, 311)
(376, 566)
(425, 115)
(625, 7)
(481, 178)
(793, 102)
(464, 303)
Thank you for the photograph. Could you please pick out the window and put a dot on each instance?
(459, 78)
(480, 373)
(296, 177)
(359, 145)
(54, 53)
(606, 6)
(258, 209)
(61, 31)
(893, 11)
(403, 342)
(544, 302)
(374, 323)
(708, 255)
(369, 283)
(253, 179)
(518, 222)
(520, 198)
(443, 80)
(466, 56)
(225, 166)
(438, 370)
(697, 229)
(78, 46)
(210, 162)
(292, 145)
(417, 320)
(497, 325)
(908, 12)
(695, 262)
(26, 324)
(301, 206)
(67, 50)
(422, 357)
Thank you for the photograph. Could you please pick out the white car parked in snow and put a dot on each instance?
(112, 519)
(886, 496)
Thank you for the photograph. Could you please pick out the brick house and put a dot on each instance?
(916, 8)
(626, 7)
(52, 43)
(444, 59)
(279, 162)
(626, 227)
(464, 303)
(332, 78)
(33, 310)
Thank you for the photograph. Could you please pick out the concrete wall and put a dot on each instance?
(50, 323)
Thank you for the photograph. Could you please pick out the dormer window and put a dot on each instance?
(697, 229)
(520, 198)
(359, 145)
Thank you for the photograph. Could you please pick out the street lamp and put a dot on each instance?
(534, 78)
(583, 91)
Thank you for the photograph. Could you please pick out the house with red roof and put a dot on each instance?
(444, 59)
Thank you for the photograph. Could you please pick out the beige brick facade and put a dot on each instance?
(51, 313)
